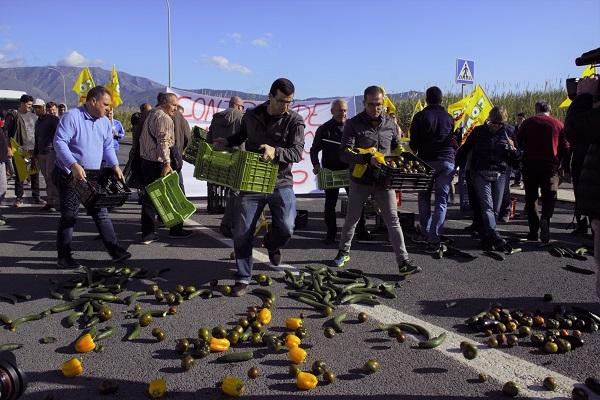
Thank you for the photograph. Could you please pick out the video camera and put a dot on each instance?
(588, 58)
(13, 380)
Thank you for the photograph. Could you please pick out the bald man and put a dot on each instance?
(224, 124)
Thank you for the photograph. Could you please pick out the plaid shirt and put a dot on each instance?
(158, 135)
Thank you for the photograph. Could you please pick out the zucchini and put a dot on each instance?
(73, 317)
(200, 292)
(433, 342)
(236, 357)
(106, 333)
(64, 307)
(132, 298)
(261, 292)
(5, 319)
(311, 302)
(134, 333)
(577, 270)
(100, 296)
(10, 346)
(335, 322)
(33, 317)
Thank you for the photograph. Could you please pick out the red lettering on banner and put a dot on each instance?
(302, 180)
(299, 111)
(209, 109)
(313, 113)
(198, 101)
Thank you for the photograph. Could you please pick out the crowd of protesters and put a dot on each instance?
(537, 151)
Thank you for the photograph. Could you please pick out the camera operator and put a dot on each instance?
(583, 121)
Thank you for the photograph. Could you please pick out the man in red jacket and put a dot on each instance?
(544, 148)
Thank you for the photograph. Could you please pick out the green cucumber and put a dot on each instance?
(236, 357)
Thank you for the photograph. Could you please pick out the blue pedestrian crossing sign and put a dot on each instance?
(465, 71)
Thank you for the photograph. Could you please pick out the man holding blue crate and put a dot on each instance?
(278, 133)
(83, 138)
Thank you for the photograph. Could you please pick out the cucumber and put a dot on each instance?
(10, 346)
(236, 357)
(335, 322)
(433, 342)
(134, 333)
(73, 317)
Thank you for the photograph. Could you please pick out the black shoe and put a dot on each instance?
(580, 231)
(67, 262)
(532, 237)
(239, 289)
(364, 236)
(275, 257)
(408, 267)
(182, 234)
(120, 255)
(149, 238)
(48, 208)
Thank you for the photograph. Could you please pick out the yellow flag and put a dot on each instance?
(590, 70)
(83, 84)
(457, 110)
(114, 88)
(388, 104)
(476, 111)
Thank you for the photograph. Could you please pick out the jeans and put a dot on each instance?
(229, 213)
(490, 194)
(152, 171)
(386, 201)
(505, 208)
(331, 198)
(544, 178)
(69, 209)
(433, 225)
(596, 228)
(46, 163)
(249, 206)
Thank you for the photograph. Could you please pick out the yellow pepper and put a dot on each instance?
(292, 341)
(306, 381)
(85, 344)
(219, 345)
(264, 316)
(72, 368)
(293, 323)
(297, 355)
(157, 388)
(233, 386)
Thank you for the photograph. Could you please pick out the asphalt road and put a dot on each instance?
(441, 297)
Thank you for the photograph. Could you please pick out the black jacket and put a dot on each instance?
(284, 132)
(490, 152)
(224, 124)
(578, 130)
(360, 133)
(45, 128)
(3, 146)
(432, 134)
(331, 131)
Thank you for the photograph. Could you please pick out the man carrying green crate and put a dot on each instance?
(371, 129)
(278, 133)
(327, 139)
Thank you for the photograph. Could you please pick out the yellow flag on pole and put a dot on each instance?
(388, 104)
(590, 70)
(457, 110)
(83, 84)
(476, 111)
(114, 88)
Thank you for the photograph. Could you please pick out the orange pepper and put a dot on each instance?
(297, 355)
(306, 381)
(72, 368)
(292, 341)
(219, 345)
(85, 344)
(264, 316)
(293, 323)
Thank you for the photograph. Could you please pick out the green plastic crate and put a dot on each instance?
(217, 167)
(254, 174)
(169, 200)
(328, 179)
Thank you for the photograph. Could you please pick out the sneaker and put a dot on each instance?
(408, 267)
(275, 257)
(48, 208)
(18, 203)
(37, 200)
(182, 234)
(544, 230)
(341, 259)
(67, 262)
(120, 255)
(150, 238)
(3, 221)
(239, 289)
(364, 236)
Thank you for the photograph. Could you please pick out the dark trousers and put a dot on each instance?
(35, 186)
(506, 201)
(331, 198)
(582, 221)
(69, 210)
(151, 171)
(539, 177)
(474, 203)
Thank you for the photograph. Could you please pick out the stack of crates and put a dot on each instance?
(169, 200)
(218, 167)
(328, 179)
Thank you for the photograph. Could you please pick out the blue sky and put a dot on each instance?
(327, 47)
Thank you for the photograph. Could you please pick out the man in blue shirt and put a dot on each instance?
(83, 139)
(117, 129)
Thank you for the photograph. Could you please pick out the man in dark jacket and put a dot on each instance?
(278, 133)
(432, 139)
(223, 125)
(327, 139)
(583, 117)
(371, 129)
(43, 151)
(544, 147)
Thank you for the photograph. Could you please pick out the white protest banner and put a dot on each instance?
(198, 110)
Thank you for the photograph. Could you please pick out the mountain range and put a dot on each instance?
(46, 83)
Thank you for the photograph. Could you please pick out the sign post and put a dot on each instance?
(465, 75)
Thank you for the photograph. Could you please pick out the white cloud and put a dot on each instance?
(76, 59)
(9, 46)
(235, 36)
(263, 41)
(6, 62)
(224, 64)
